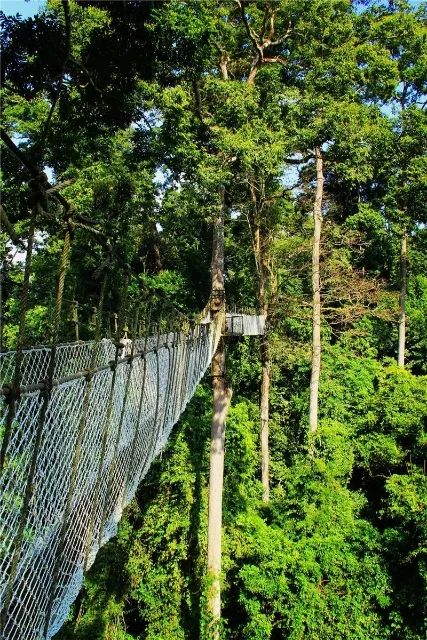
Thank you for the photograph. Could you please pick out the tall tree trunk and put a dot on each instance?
(221, 402)
(265, 376)
(316, 344)
(261, 260)
(264, 406)
(402, 299)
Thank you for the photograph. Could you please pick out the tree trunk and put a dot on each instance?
(157, 260)
(261, 260)
(265, 375)
(402, 300)
(221, 402)
(264, 407)
(316, 344)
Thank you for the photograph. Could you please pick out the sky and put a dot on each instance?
(26, 9)
(31, 7)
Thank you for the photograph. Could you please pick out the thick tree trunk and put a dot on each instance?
(316, 343)
(221, 402)
(253, 71)
(402, 300)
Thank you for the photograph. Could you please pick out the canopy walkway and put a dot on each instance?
(77, 452)
(81, 423)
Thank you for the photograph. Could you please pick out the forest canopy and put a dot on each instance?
(305, 123)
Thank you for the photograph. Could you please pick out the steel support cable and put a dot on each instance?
(45, 397)
(76, 460)
(113, 465)
(206, 329)
(206, 342)
(182, 359)
(182, 373)
(106, 428)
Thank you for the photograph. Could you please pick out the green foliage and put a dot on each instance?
(417, 312)
(36, 320)
(146, 130)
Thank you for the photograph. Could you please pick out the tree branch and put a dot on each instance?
(297, 161)
(67, 16)
(8, 226)
(264, 22)
(81, 66)
(34, 172)
(251, 33)
(279, 59)
(286, 35)
(260, 43)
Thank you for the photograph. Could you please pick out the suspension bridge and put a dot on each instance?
(81, 423)
(80, 444)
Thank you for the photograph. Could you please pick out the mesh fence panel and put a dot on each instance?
(80, 487)
(244, 324)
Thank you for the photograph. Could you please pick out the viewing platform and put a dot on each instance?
(244, 324)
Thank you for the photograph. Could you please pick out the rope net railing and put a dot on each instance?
(81, 422)
(108, 414)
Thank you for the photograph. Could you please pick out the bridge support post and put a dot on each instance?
(221, 402)
(221, 391)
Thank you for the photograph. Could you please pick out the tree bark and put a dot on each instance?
(264, 407)
(316, 341)
(261, 260)
(157, 260)
(265, 373)
(402, 300)
(221, 401)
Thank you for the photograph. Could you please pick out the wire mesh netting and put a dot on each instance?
(100, 425)
(244, 324)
